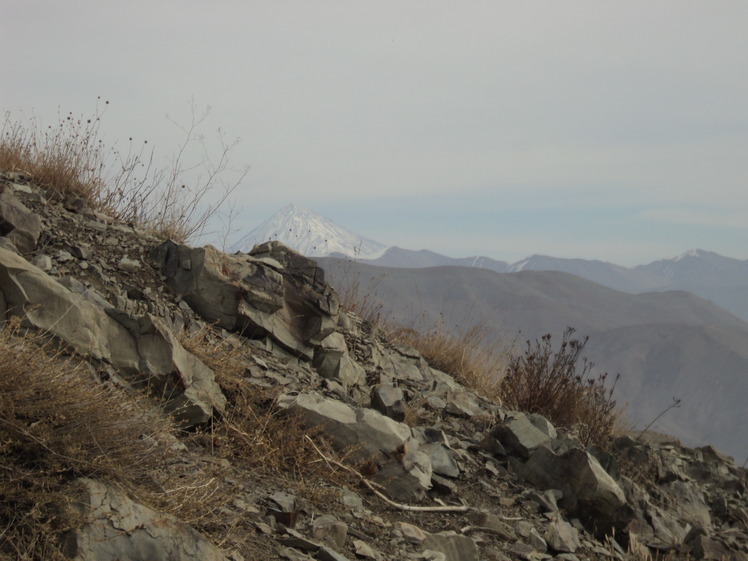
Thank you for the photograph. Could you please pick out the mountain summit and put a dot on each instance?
(310, 234)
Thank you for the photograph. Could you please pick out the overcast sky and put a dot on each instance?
(594, 129)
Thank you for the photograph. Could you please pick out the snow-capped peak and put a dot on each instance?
(692, 253)
(310, 234)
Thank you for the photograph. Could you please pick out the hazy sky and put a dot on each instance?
(594, 129)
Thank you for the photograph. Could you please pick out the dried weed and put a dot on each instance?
(552, 383)
(70, 161)
(58, 423)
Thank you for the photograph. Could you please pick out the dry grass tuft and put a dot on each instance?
(363, 303)
(71, 161)
(551, 382)
(466, 355)
(66, 159)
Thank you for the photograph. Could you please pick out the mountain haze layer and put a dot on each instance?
(719, 279)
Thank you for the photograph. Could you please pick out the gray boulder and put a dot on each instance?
(455, 547)
(690, 503)
(442, 459)
(519, 435)
(332, 361)
(119, 529)
(19, 224)
(278, 294)
(367, 435)
(562, 537)
(588, 491)
(543, 424)
(389, 400)
(405, 364)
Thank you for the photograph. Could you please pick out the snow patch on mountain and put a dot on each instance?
(692, 253)
(310, 234)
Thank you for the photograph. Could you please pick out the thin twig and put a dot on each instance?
(379, 494)
(674, 405)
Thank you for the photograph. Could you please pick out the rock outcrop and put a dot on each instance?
(272, 291)
(141, 348)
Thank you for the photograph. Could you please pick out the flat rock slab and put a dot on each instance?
(519, 435)
(365, 434)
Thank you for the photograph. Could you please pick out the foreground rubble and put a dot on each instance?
(449, 476)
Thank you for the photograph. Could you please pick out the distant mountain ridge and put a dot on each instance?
(721, 280)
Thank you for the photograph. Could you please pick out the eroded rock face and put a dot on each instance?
(141, 348)
(273, 292)
(119, 529)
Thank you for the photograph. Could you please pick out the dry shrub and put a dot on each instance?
(71, 160)
(163, 200)
(57, 423)
(465, 354)
(66, 159)
(553, 384)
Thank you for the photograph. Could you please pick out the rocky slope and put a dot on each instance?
(664, 344)
(426, 469)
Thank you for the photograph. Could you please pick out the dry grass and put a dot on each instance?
(254, 432)
(466, 355)
(552, 383)
(58, 423)
(363, 303)
(71, 161)
(66, 159)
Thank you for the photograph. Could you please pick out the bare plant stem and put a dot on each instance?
(378, 493)
(674, 405)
